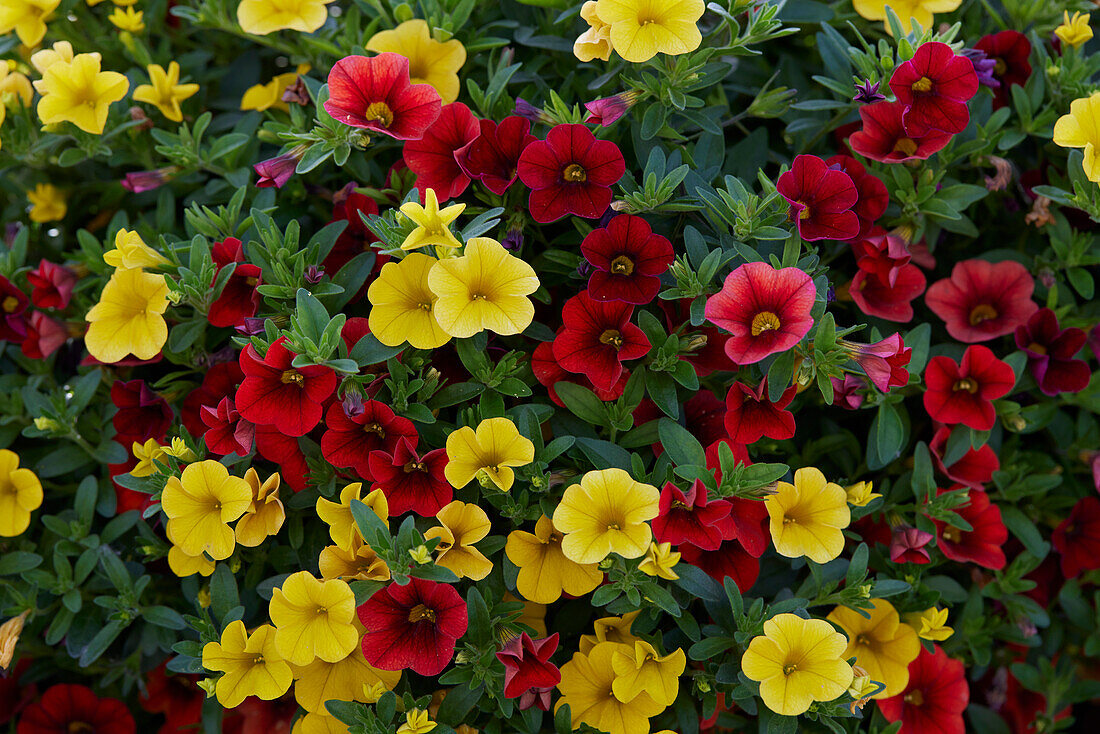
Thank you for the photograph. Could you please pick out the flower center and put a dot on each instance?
(982, 312)
(421, 613)
(862, 640)
(905, 146)
(922, 85)
(622, 265)
(951, 534)
(613, 526)
(10, 304)
(1000, 67)
(414, 466)
(915, 698)
(612, 337)
(789, 668)
(965, 384)
(379, 112)
(292, 376)
(764, 321)
(678, 505)
(252, 282)
(376, 429)
(1037, 348)
(425, 306)
(574, 173)
(79, 727)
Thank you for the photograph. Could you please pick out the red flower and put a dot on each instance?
(354, 329)
(847, 392)
(886, 282)
(493, 156)
(934, 700)
(14, 697)
(528, 673)
(935, 86)
(982, 300)
(142, 414)
(687, 517)
(764, 309)
(729, 561)
(1010, 51)
(176, 696)
(239, 298)
(873, 196)
(227, 432)
(347, 206)
(433, 157)
(908, 546)
(974, 469)
(376, 94)
(1050, 353)
(570, 173)
(273, 173)
(349, 440)
(884, 138)
(598, 337)
(220, 381)
(884, 361)
(705, 359)
(45, 335)
(821, 199)
(409, 481)
(52, 285)
(285, 451)
(13, 302)
(963, 392)
(65, 709)
(413, 626)
(1077, 538)
(982, 545)
(750, 415)
(627, 259)
(274, 393)
(549, 373)
(607, 110)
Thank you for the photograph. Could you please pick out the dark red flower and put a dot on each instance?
(14, 695)
(884, 361)
(528, 672)
(142, 414)
(273, 173)
(220, 381)
(13, 304)
(1050, 351)
(275, 393)
(433, 157)
(67, 709)
(354, 329)
(598, 337)
(52, 285)
(413, 626)
(493, 156)
(982, 300)
(606, 110)
(176, 696)
(750, 415)
(1019, 706)
(983, 544)
(627, 260)
(908, 546)
(239, 298)
(765, 310)
(285, 451)
(45, 335)
(256, 716)
(227, 432)
(974, 469)
(935, 86)
(847, 392)
(934, 700)
(348, 206)
(348, 441)
(1077, 538)
(411, 482)
(883, 138)
(376, 94)
(886, 282)
(549, 373)
(1010, 51)
(687, 517)
(729, 561)
(964, 392)
(873, 196)
(571, 172)
(821, 199)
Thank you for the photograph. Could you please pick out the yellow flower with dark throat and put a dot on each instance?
(544, 571)
(808, 517)
(606, 513)
(587, 686)
(78, 92)
(251, 664)
(165, 91)
(403, 306)
(489, 453)
(265, 513)
(200, 504)
(641, 29)
(129, 318)
(337, 515)
(882, 645)
(461, 525)
(261, 17)
(313, 619)
(27, 18)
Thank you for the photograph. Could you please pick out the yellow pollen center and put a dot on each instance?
(376, 429)
(574, 173)
(678, 505)
(1037, 348)
(379, 112)
(862, 640)
(915, 698)
(764, 321)
(951, 534)
(292, 376)
(612, 337)
(1000, 67)
(425, 306)
(622, 265)
(79, 727)
(613, 526)
(965, 384)
(10, 304)
(414, 466)
(478, 297)
(922, 85)
(421, 613)
(982, 312)
(905, 146)
(253, 282)
(789, 668)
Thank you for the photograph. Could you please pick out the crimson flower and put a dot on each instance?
(627, 259)
(549, 372)
(52, 285)
(750, 415)
(908, 546)
(729, 561)
(873, 196)
(239, 298)
(607, 110)
(571, 172)
(347, 206)
(973, 470)
(493, 156)
(413, 626)
(981, 545)
(598, 337)
(1050, 353)
(846, 392)
(433, 157)
(934, 700)
(45, 335)
(821, 199)
(687, 517)
(273, 173)
(66, 708)
(285, 451)
(935, 86)
(528, 673)
(375, 93)
(884, 138)
(13, 304)
(884, 361)
(14, 694)
(1009, 51)
(141, 415)
(886, 282)
(349, 440)
(227, 433)
(982, 300)
(177, 696)
(964, 392)
(409, 481)
(275, 393)
(1077, 538)
(220, 381)
(764, 309)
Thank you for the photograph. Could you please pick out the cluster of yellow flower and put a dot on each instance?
(20, 495)
(638, 30)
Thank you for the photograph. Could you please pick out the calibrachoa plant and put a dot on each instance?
(616, 366)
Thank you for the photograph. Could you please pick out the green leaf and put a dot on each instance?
(681, 445)
(583, 403)
(369, 350)
(99, 643)
(13, 562)
(223, 591)
(164, 617)
(1023, 528)
(371, 527)
(478, 614)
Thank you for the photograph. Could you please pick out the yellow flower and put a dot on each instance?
(544, 571)
(797, 661)
(261, 97)
(47, 203)
(318, 723)
(20, 495)
(485, 288)
(9, 636)
(860, 494)
(606, 513)
(881, 645)
(261, 17)
(931, 624)
(122, 3)
(587, 685)
(431, 223)
(129, 20)
(343, 680)
(338, 517)
(420, 555)
(200, 504)
(179, 449)
(807, 517)
(184, 565)
(403, 306)
(594, 43)
(488, 453)
(16, 84)
(640, 29)
(47, 57)
(1081, 129)
(642, 670)
(252, 665)
(462, 525)
(265, 514)
(313, 619)
(416, 722)
(359, 561)
(129, 318)
(130, 251)
(27, 18)
(659, 561)
(920, 10)
(78, 92)
(1074, 31)
(430, 62)
(861, 689)
(146, 454)
(610, 629)
(165, 92)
